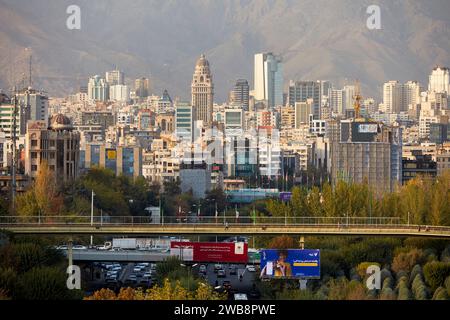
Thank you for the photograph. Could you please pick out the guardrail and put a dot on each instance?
(194, 220)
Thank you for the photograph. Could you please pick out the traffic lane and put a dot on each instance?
(246, 285)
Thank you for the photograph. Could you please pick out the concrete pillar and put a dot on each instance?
(302, 242)
(70, 251)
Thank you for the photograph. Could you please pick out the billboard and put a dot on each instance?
(232, 252)
(368, 128)
(285, 196)
(290, 263)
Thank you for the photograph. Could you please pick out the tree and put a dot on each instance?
(435, 273)
(404, 261)
(282, 242)
(44, 283)
(102, 294)
(43, 199)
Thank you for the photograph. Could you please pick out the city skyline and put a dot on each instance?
(375, 59)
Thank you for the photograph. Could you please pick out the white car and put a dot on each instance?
(250, 268)
(79, 247)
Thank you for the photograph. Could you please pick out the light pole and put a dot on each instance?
(92, 215)
(189, 273)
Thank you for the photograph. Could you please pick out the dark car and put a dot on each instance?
(221, 273)
(233, 269)
(226, 285)
(202, 269)
(217, 267)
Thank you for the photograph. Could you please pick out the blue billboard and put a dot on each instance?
(290, 263)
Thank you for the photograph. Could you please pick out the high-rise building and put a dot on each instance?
(142, 87)
(202, 90)
(303, 112)
(439, 80)
(98, 89)
(398, 97)
(268, 79)
(336, 101)
(349, 93)
(393, 97)
(366, 152)
(31, 105)
(115, 77)
(184, 121)
(240, 94)
(300, 91)
(411, 94)
(119, 92)
(57, 144)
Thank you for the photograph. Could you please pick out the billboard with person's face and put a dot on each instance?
(290, 263)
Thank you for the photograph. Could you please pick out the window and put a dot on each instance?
(34, 155)
(52, 143)
(34, 167)
(34, 143)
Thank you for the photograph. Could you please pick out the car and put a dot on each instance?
(240, 296)
(221, 273)
(217, 267)
(137, 269)
(143, 264)
(226, 284)
(202, 269)
(79, 247)
(144, 282)
(250, 268)
(63, 247)
(233, 269)
(147, 275)
(111, 281)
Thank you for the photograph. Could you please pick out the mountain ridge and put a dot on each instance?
(163, 39)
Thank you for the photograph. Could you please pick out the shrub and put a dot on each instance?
(403, 292)
(435, 273)
(388, 283)
(385, 273)
(418, 288)
(404, 261)
(44, 283)
(447, 284)
(440, 294)
(445, 255)
(8, 280)
(361, 269)
(387, 294)
(415, 271)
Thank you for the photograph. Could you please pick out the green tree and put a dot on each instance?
(44, 283)
(435, 273)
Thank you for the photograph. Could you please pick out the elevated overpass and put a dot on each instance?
(224, 226)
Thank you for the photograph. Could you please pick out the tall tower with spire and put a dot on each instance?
(202, 90)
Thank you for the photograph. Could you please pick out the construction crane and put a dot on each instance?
(357, 100)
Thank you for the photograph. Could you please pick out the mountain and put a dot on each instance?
(162, 39)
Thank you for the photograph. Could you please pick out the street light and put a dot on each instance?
(189, 273)
(92, 215)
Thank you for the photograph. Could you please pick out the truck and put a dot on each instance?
(124, 244)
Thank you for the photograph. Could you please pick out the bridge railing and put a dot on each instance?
(201, 220)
